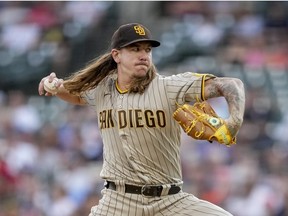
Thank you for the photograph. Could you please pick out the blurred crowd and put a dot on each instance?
(40, 36)
(51, 152)
(50, 157)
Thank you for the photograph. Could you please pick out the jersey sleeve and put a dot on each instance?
(94, 97)
(187, 87)
(89, 97)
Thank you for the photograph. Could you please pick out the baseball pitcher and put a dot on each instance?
(141, 114)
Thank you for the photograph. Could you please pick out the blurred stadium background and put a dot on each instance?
(50, 151)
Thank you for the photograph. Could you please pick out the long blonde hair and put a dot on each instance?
(90, 76)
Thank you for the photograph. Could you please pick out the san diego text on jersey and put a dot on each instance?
(132, 118)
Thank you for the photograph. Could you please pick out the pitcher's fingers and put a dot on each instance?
(59, 83)
(52, 76)
(48, 94)
(41, 86)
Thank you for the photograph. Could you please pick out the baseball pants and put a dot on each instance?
(181, 204)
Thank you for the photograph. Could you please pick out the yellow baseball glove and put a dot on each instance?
(201, 122)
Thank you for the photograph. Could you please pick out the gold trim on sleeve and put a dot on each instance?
(203, 87)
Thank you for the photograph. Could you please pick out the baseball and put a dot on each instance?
(51, 86)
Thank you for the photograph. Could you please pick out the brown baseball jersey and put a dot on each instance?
(142, 140)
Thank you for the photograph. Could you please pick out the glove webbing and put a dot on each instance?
(199, 117)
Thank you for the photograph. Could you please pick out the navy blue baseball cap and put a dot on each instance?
(131, 33)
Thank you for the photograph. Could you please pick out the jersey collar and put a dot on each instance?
(118, 88)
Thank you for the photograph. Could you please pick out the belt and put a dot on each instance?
(146, 190)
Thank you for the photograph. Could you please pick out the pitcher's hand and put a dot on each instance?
(50, 77)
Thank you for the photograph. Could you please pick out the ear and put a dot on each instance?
(115, 55)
